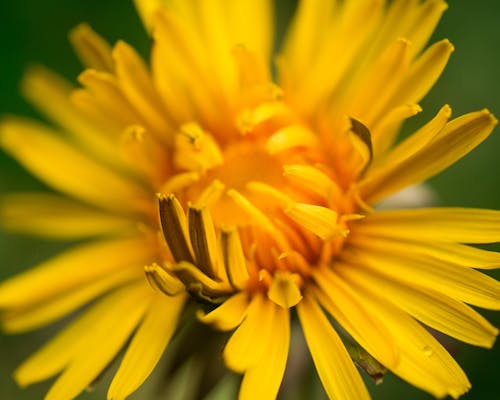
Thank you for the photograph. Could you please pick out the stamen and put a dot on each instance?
(234, 259)
(196, 150)
(174, 226)
(179, 182)
(199, 285)
(203, 240)
(161, 280)
(291, 137)
(211, 194)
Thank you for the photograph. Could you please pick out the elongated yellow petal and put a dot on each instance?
(462, 284)
(284, 290)
(244, 349)
(342, 303)
(337, 372)
(263, 380)
(419, 139)
(53, 216)
(453, 253)
(45, 312)
(313, 179)
(423, 360)
(458, 138)
(147, 346)
(464, 225)
(69, 170)
(423, 74)
(291, 137)
(423, 21)
(52, 95)
(259, 218)
(147, 10)
(107, 97)
(100, 345)
(432, 308)
(92, 49)
(135, 82)
(60, 351)
(229, 314)
(242, 17)
(79, 265)
(308, 27)
(322, 221)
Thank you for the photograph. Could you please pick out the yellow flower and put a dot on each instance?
(222, 185)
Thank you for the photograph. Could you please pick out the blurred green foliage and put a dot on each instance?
(33, 31)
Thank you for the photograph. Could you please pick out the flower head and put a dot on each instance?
(201, 179)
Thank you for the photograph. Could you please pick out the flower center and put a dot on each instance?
(258, 213)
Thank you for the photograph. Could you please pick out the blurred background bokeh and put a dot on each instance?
(33, 31)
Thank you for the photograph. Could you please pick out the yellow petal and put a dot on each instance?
(92, 49)
(134, 80)
(108, 98)
(47, 311)
(458, 138)
(381, 81)
(423, 22)
(336, 370)
(419, 139)
(52, 95)
(464, 225)
(69, 170)
(244, 349)
(259, 218)
(54, 216)
(313, 179)
(147, 10)
(424, 73)
(98, 346)
(348, 310)
(147, 346)
(242, 16)
(263, 380)
(308, 26)
(453, 253)
(74, 267)
(430, 307)
(229, 314)
(60, 350)
(322, 221)
(291, 137)
(463, 284)
(423, 361)
(284, 290)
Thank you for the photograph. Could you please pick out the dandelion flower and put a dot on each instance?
(202, 178)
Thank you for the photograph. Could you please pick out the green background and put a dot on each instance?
(34, 31)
